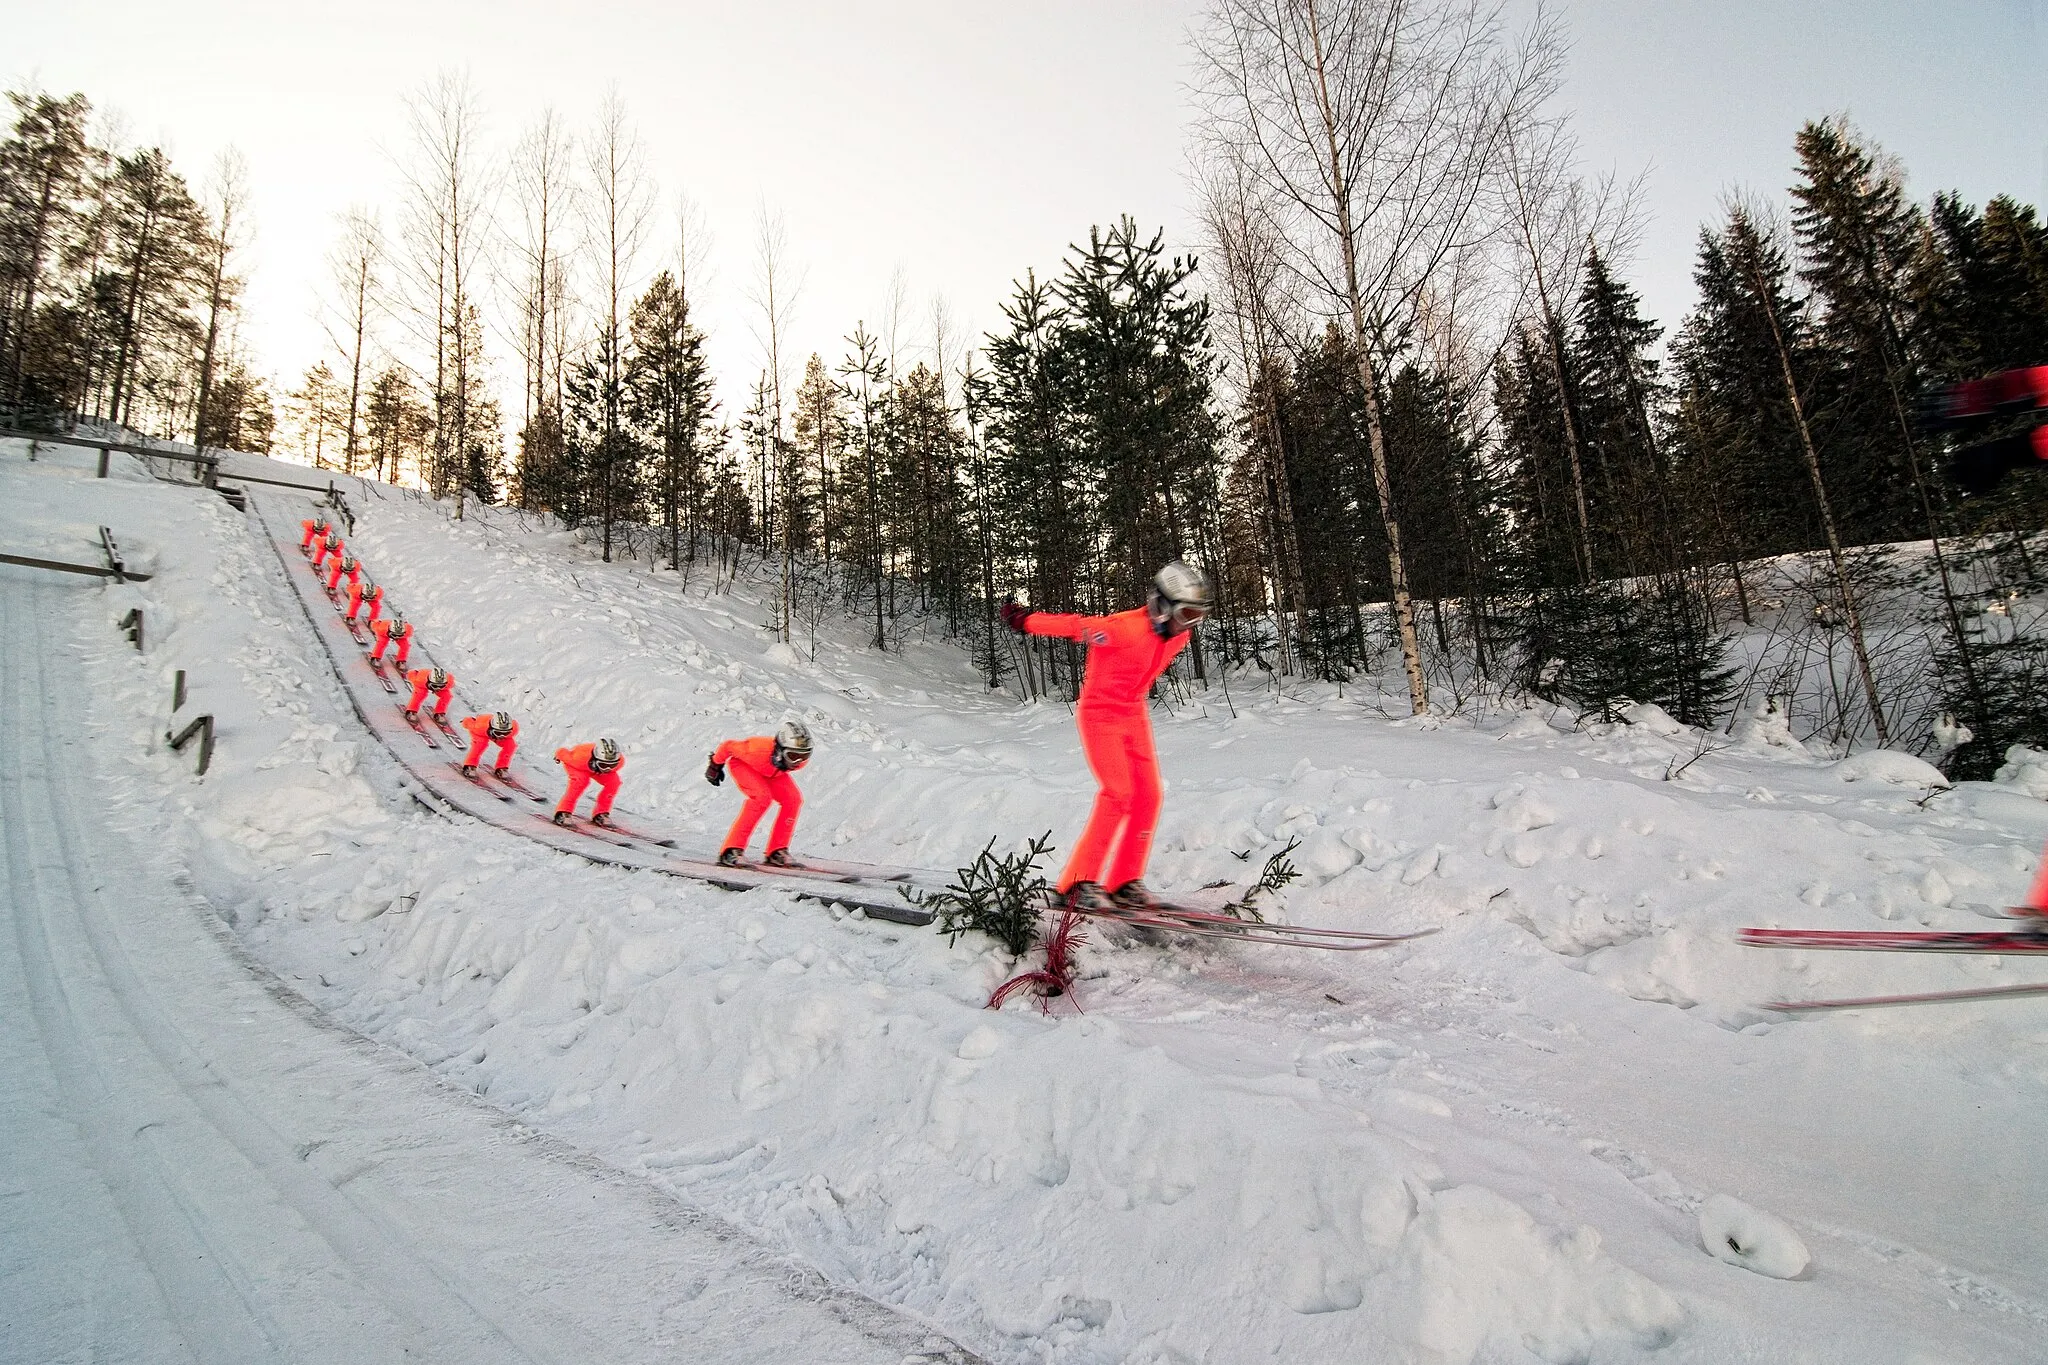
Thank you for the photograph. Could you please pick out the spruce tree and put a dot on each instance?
(671, 399)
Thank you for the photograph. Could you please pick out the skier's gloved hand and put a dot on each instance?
(1013, 614)
(1979, 468)
(714, 772)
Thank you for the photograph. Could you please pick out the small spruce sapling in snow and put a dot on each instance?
(1273, 877)
(998, 895)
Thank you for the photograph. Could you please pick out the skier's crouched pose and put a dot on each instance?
(587, 763)
(393, 631)
(1126, 652)
(497, 728)
(438, 681)
(761, 766)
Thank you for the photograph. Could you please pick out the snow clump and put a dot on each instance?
(1734, 1232)
(2026, 770)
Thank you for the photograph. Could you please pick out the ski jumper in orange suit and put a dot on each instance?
(382, 630)
(338, 568)
(329, 546)
(577, 761)
(1125, 654)
(752, 762)
(360, 592)
(481, 738)
(420, 678)
(314, 529)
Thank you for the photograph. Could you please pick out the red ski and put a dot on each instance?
(412, 719)
(1902, 940)
(1216, 920)
(1250, 931)
(1919, 998)
(655, 839)
(478, 779)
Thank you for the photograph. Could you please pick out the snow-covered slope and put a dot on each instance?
(1501, 1143)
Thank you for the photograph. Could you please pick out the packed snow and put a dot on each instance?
(1560, 1129)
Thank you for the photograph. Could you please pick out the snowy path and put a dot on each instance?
(199, 1167)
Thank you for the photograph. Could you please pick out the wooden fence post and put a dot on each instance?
(203, 727)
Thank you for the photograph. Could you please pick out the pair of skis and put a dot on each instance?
(418, 721)
(1181, 919)
(2027, 941)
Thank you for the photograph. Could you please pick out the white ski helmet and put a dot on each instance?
(1179, 597)
(348, 564)
(437, 680)
(792, 745)
(501, 724)
(604, 755)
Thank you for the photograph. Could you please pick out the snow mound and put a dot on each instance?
(1734, 1232)
(1647, 715)
(1889, 765)
(1768, 727)
(1510, 1280)
(2025, 770)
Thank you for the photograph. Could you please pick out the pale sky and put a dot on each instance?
(959, 144)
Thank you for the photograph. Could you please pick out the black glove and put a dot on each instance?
(1980, 468)
(1013, 614)
(714, 772)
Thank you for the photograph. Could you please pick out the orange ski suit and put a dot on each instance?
(335, 571)
(382, 630)
(419, 678)
(356, 598)
(313, 527)
(577, 761)
(330, 546)
(752, 762)
(1124, 656)
(480, 738)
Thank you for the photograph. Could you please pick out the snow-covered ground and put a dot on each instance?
(1523, 1138)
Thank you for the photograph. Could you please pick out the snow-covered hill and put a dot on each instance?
(1495, 1144)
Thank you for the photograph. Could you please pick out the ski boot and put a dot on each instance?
(412, 718)
(469, 770)
(561, 817)
(1134, 898)
(779, 857)
(502, 774)
(731, 857)
(602, 819)
(1086, 897)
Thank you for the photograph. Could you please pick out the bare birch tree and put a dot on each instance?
(774, 297)
(1553, 215)
(1371, 131)
(1253, 301)
(541, 248)
(618, 207)
(447, 232)
(227, 231)
(356, 266)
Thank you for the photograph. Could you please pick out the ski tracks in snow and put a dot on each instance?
(197, 1172)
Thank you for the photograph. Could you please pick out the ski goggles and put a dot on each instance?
(789, 760)
(1186, 613)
